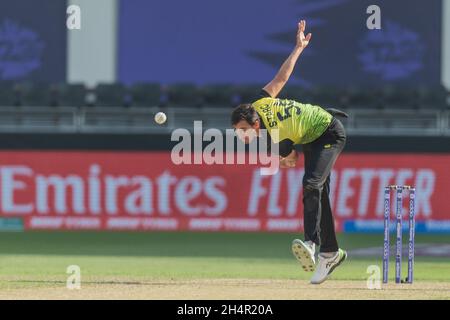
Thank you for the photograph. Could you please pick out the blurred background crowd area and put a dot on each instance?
(217, 95)
(110, 65)
(77, 103)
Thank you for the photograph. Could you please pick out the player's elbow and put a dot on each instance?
(281, 79)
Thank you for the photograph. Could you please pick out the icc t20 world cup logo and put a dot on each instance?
(20, 50)
(392, 53)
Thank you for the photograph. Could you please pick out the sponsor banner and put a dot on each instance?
(146, 191)
(420, 250)
(377, 226)
(162, 224)
(11, 224)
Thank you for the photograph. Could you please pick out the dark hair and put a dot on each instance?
(244, 112)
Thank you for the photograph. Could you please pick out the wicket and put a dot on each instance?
(398, 223)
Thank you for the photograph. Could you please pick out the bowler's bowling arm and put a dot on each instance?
(275, 86)
(281, 78)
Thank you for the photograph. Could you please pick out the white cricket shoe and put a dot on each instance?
(304, 252)
(326, 266)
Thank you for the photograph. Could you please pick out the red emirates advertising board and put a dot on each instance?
(145, 191)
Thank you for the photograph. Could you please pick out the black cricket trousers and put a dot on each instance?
(320, 156)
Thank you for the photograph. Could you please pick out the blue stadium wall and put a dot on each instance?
(236, 41)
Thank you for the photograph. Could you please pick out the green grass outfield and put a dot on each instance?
(36, 259)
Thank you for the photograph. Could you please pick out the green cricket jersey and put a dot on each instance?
(297, 123)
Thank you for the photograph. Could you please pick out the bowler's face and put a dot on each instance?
(245, 131)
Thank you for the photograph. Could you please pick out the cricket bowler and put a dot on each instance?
(322, 137)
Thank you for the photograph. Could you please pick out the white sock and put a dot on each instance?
(310, 243)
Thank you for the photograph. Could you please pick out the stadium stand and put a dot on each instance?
(111, 95)
(9, 94)
(71, 95)
(145, 95)
(184, 94)
(116, 107)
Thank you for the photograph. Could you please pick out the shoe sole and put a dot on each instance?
(344, 257)
(303, 256)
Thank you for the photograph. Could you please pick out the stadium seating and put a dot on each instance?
(145, 95)
(184, 95)
(297, 93)
(248, 93)
(71, 95)
(433, 97)
(111, 95)
(218, 95)
(394, 97)
(29, 107)
(366, 98)
(37, 95)
(328, 96)
(9, 94)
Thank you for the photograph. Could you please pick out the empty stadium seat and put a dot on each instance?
(295, 93)
(218, 95)
(111, 95)
(37, 95)
(9, 94)
(184, 95)
(145, 95)
(328, 96)
(248, 93)
(363, 97)
(221, 95)
(399, 97)
(71, 95)
(433, 97)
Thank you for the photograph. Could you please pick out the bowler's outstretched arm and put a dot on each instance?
(276, 85)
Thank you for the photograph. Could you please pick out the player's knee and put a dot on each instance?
(312, 184)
